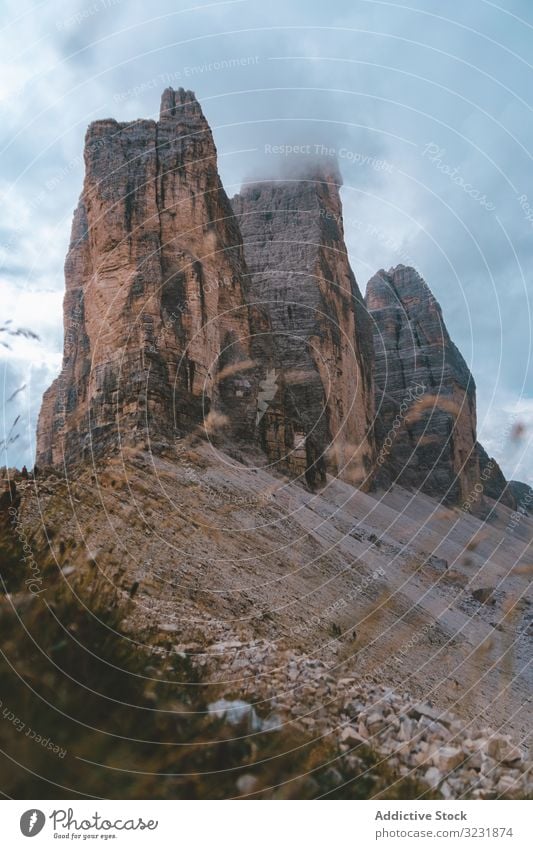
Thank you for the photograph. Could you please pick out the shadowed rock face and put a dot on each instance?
(493, 480)
(317, 346)
(425, 394)
(154, 315)
(523, 496)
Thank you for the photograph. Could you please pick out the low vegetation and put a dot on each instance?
(87, 712)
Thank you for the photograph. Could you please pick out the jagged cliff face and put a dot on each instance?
(425, 394)
(522, 494)
(170, 323)
(312, 330)
(493, 480)
(156, 329)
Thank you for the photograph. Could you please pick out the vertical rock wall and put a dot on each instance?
(156, 329)
(320, 354)
(425, 393)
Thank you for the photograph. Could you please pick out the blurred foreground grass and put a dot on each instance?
(87, 712)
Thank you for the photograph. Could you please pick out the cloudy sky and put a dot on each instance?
(426, 105)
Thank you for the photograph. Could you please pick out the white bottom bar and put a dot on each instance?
(262, 825)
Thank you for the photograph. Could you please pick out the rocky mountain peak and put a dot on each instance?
(180, 104)
(425, 401)
(432, 428)
(179, 305)
(156, 326)
(321, 338)
(402, 290)
(390, 288)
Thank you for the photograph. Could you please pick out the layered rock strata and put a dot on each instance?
(318, 352)
(425, 393)
(156, 328)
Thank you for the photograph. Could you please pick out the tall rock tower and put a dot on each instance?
(425, 393)
(319, 353)
(156, 328)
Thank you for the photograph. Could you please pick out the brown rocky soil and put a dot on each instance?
(312, 602)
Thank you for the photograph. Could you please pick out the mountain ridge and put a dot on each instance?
(195, 301)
